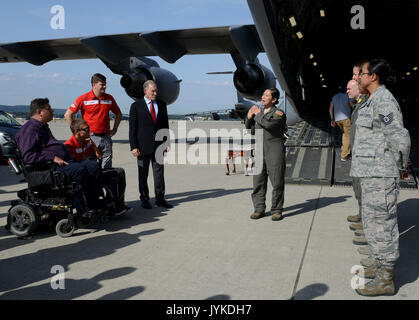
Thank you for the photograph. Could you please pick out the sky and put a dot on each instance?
(63, 81)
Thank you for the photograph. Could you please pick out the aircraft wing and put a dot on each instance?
(169, 45)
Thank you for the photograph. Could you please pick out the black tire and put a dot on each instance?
(104, 218)
(23, 220)
(64, 229)
(83, 222)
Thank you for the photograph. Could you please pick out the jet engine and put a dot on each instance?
(234, 114)
(167, 83)
(252, 79)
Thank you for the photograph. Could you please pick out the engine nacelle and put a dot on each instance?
(233, 114)
(167, 83)
(251, 80)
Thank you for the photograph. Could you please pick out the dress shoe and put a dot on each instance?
(164, 204)
(146, 204)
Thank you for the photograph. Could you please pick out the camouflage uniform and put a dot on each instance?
(356, 183)
(274, 125)
(380, 151)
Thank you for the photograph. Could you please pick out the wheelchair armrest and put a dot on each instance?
(39, 166)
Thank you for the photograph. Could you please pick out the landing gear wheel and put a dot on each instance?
(64, 229)
(22, 220)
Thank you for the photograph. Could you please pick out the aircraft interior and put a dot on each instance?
(320, 41)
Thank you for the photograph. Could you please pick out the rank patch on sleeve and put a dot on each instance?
(386, 119)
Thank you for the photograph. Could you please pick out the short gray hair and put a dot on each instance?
(148, 83)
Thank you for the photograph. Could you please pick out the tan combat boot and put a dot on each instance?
(356, 218)
(381, 285)
(360, 241)
(356, 226)
(365, 251)
(257, 215)
(368, 273)
(368, 262)
(277, 216)
(359, 233)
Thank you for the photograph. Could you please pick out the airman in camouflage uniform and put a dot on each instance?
(273, 123)
(354, 92)
(380, 154)
(360, 100)
(361, 97)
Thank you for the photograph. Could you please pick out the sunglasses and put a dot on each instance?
(87, 129)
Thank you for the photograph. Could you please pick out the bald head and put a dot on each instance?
(352, 89)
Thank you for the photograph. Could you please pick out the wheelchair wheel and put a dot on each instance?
(83, 222)
(104, 218)
(64, 229)
(23, 220)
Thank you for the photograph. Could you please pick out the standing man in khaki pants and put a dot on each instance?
(340, 115)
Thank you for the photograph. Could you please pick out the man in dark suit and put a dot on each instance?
(148, 116)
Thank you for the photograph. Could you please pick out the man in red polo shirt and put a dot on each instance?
(95, 106)
(80, 145)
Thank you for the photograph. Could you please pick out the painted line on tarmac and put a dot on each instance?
(305, 249)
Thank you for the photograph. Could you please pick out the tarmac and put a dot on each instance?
(206, 247)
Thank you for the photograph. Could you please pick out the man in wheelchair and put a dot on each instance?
(50, 191)
(82, 147)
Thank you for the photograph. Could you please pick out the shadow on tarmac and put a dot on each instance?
(138, 216)
(141, 216)
(9, 179)
(33, 267)
(219, 297)
(74, 289)
(313, 204)
(202, 195)
(4, 192)
(5, 204)
(407, 267)
(311, 292)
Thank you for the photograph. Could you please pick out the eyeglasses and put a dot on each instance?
(87, 129)
(368, 73)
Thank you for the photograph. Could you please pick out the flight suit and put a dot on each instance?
(380, 152)
(273, 124)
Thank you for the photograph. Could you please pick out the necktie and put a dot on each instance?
(153, 112)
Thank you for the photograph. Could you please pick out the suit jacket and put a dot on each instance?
(142, 130)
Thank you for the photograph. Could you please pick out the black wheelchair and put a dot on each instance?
(49, 197)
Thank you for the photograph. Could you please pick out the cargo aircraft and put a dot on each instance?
(311, 45)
